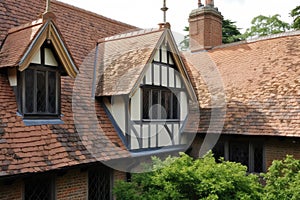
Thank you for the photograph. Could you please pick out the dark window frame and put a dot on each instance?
(224, 148)
(170, 111)
(51, 110)
(93, 174)
(36, 186)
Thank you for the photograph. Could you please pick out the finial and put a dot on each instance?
(48, 6)
(48, 14)
(209, 3)
(164, 9)
(199, 3)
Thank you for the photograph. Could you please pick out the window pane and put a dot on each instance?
(239, 152)
(165, 104)
(38, 189)
(258, 158)
(154, 106)
(99, 184)
(41, 91)
(29, 90)
(218, 151)
(175, 107)
(52, 92)
(146, 94)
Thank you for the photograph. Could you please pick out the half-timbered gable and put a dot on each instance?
(148, 89)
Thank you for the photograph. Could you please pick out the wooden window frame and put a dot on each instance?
(160, 90)
(35, 182)
(251, 160)
(34, 69)
(94, 171)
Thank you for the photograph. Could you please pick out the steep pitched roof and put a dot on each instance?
(122, 59)
(26, 149)
(39, 148)
(23, 42)
(81, 29)
(17, 41)
(261, 85)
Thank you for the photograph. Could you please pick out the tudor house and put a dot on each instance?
(56, 141)
(85, 99)
(149, 93)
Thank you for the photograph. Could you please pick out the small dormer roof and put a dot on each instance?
(23, 42)
(122, 60)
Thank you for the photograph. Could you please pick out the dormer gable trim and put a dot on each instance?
(168, 39)
(48, 32)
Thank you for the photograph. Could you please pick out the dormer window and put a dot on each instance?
(39, 88)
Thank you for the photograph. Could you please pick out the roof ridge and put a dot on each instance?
(25, 26)
(90, 13)
(129, 34)
(261, 38)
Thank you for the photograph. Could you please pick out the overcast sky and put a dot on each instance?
(147, 14)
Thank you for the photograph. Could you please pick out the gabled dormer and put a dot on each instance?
(146, 89)
(36, 57)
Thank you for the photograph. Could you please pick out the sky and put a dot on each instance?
(147, 14)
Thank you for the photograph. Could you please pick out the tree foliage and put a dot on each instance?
(266, 25)
(295, 13)
(230, 32)
(283, 180)
(185, 178)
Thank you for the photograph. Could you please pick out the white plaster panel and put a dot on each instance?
(135, 108)
(156, 75)
(163, 137)
(171, 77)
(49, 58)
(164, 76)
(118, 111)
(183, 105)
(149, 75)
(37, 57)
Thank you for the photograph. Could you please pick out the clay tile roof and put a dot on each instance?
(261, 84)
(17, 42)
(81, 29)
(26, 149)
(122, 59)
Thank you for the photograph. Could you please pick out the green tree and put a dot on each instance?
(295, 13)
(184, 178)
(283, 180)
(266, 25)
(185, 43)
(230, 33)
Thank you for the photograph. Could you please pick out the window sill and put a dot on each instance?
(37, 122)
(160, 120)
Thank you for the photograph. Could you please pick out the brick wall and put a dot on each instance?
(72, 185)
(278, 148)
(11, 191)
(118, 175)
(195, 146)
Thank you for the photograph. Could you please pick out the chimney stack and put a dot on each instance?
(205, 27)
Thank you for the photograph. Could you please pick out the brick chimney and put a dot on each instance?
(205, 27)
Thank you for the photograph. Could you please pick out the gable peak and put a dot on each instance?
(48, 14)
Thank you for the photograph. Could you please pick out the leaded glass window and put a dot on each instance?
(160, 104)
(39, 86)
(100, 183)
(39, 189)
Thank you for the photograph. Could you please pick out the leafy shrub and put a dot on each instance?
(283, 180)
(185, 178)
